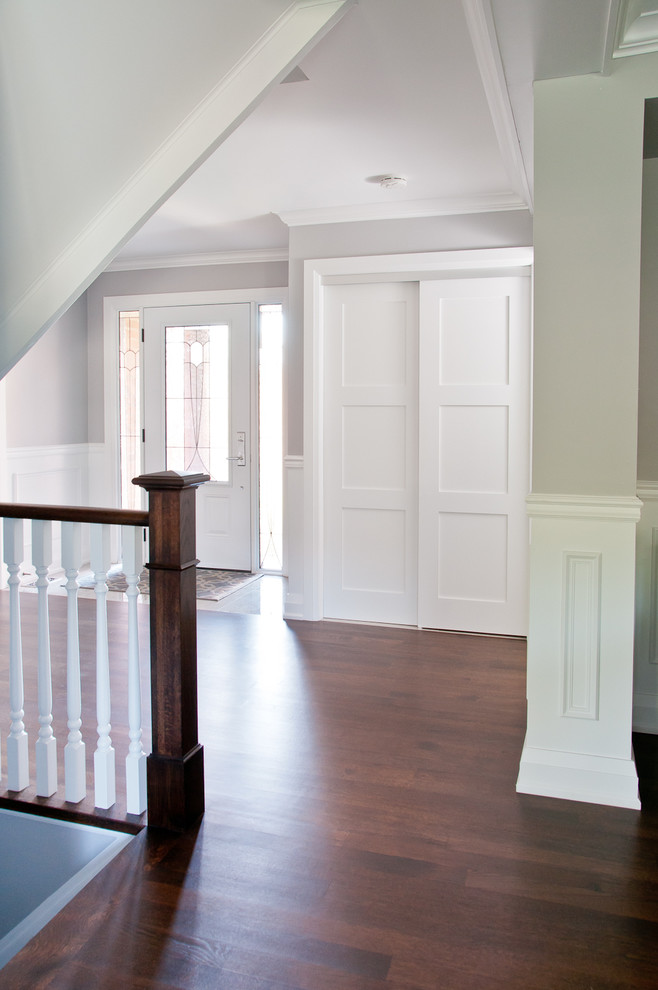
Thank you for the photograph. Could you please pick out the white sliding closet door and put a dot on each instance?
(426, 453)
(474, 454)
(370, 452)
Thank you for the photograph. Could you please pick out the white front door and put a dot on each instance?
(197, 418)
(474, 454)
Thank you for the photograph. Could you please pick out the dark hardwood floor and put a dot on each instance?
(363, 831)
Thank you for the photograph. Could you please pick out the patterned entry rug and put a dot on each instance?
(211, 585)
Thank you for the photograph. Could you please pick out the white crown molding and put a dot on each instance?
(411, 209)
(620, 508)
(636, 29)
(198, 260)
(482, 29)
(214, 117)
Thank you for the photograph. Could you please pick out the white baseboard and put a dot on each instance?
(645, 713)
(293, 607)
(576, 777)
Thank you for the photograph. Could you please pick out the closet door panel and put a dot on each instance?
(370, 452)
(474, 454)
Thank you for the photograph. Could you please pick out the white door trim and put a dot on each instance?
(319, 272)
(112, 306)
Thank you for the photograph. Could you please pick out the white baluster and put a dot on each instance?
(46, 747)
(17, 753)
(133, 557)
(75, 778)
(104, 773)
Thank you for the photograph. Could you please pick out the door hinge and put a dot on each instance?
(142, 334)
(143, 436)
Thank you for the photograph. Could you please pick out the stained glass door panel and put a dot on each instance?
(197, 414)
(197, 418)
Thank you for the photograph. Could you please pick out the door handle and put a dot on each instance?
(240, 457)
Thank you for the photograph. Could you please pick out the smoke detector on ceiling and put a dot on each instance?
(389, 181)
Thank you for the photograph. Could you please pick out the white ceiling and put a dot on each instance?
(437, 91)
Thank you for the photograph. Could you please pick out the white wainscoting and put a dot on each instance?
(580, 650)
(293, 529)
(645, 683)
(57, 475)
(49, 475)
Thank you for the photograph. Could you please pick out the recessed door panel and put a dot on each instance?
(474, 454)
(370, 459)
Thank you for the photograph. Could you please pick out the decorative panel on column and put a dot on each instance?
(582, 634)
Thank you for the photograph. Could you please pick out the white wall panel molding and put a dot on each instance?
(582, 634)
(645, 673)
(621, 508)
(55, 475)
(293, 548)
(580, 650)
(480, 21)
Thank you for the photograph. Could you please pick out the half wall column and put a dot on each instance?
(580, 650)
(175, 767)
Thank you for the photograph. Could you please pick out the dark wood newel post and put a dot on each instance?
(175, 785)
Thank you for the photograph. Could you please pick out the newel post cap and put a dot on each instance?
(165, 480)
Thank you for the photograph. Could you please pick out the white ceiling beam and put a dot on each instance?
(193, 260)
(405, 209)
(482, 30)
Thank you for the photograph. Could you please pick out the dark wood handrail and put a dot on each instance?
(74, 513)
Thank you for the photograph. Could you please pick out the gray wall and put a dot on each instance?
(204, 278)
(587, 230)
(647, 440)
(482, 230)
(47, 389)
(105, 109)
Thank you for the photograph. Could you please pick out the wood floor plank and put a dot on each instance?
(362, 832)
